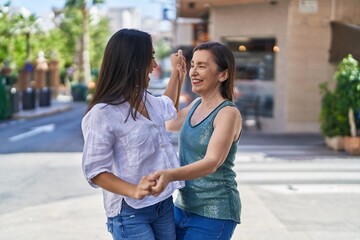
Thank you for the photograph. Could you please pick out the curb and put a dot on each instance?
(41, 112)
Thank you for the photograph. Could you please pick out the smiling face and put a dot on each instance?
(150, 68)
(204, 74)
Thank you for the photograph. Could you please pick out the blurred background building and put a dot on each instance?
(283, 48)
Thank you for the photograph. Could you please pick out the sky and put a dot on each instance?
(148, 7)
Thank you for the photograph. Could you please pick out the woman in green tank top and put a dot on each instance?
(208, 207)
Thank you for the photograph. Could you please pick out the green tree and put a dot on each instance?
(26, 25)
(52, 43)
(99, 34)
(84, 56)
(16, 33)
(5, 32)
(70, 27)
(162, 48)
(21, 38)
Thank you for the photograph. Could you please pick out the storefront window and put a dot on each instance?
(255, 65)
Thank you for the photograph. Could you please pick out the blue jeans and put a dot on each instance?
(149, 223)
(190, 226)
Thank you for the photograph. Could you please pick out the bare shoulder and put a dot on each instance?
(229, 115)
(229, 119)
(230, 112)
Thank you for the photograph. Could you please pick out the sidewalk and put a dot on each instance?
(59, 105)
(83, 217)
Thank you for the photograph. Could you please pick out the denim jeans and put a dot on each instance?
(190, 226)
(155, 222)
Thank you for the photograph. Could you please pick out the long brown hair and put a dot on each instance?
(224, 60)
(123, 71)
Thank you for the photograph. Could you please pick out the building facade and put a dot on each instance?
(282, 50)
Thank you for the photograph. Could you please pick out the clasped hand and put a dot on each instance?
(154, 184)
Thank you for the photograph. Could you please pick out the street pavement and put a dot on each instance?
(292, 188)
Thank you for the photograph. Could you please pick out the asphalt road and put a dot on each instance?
(55, 133)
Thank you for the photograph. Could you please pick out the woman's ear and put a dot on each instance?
(224, 75)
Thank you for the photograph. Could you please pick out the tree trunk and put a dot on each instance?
(27, 36)
(85, 63)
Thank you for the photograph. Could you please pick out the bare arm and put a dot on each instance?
(174, 125)
(112, 183)
(177, 77)
(226, 131)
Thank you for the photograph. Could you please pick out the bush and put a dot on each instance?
(335, 104)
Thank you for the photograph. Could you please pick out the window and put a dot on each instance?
(254, 73)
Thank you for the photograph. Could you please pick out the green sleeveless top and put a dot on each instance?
(214, 195)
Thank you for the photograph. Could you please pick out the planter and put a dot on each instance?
(336, 143)
(352, 145)
(78, 92)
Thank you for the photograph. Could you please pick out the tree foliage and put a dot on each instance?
(19, 34)
(83, 57)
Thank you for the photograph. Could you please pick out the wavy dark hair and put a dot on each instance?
(224, 60)
(123, 71)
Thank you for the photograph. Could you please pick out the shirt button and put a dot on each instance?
(162, 145)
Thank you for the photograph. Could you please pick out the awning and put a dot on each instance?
(200, 8)
(345, 39)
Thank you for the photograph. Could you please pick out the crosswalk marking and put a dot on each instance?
(257, 168)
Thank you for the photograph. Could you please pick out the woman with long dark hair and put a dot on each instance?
(125, 138)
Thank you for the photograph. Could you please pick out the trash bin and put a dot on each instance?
(45, 97)
(5, 102)
(28, 99)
